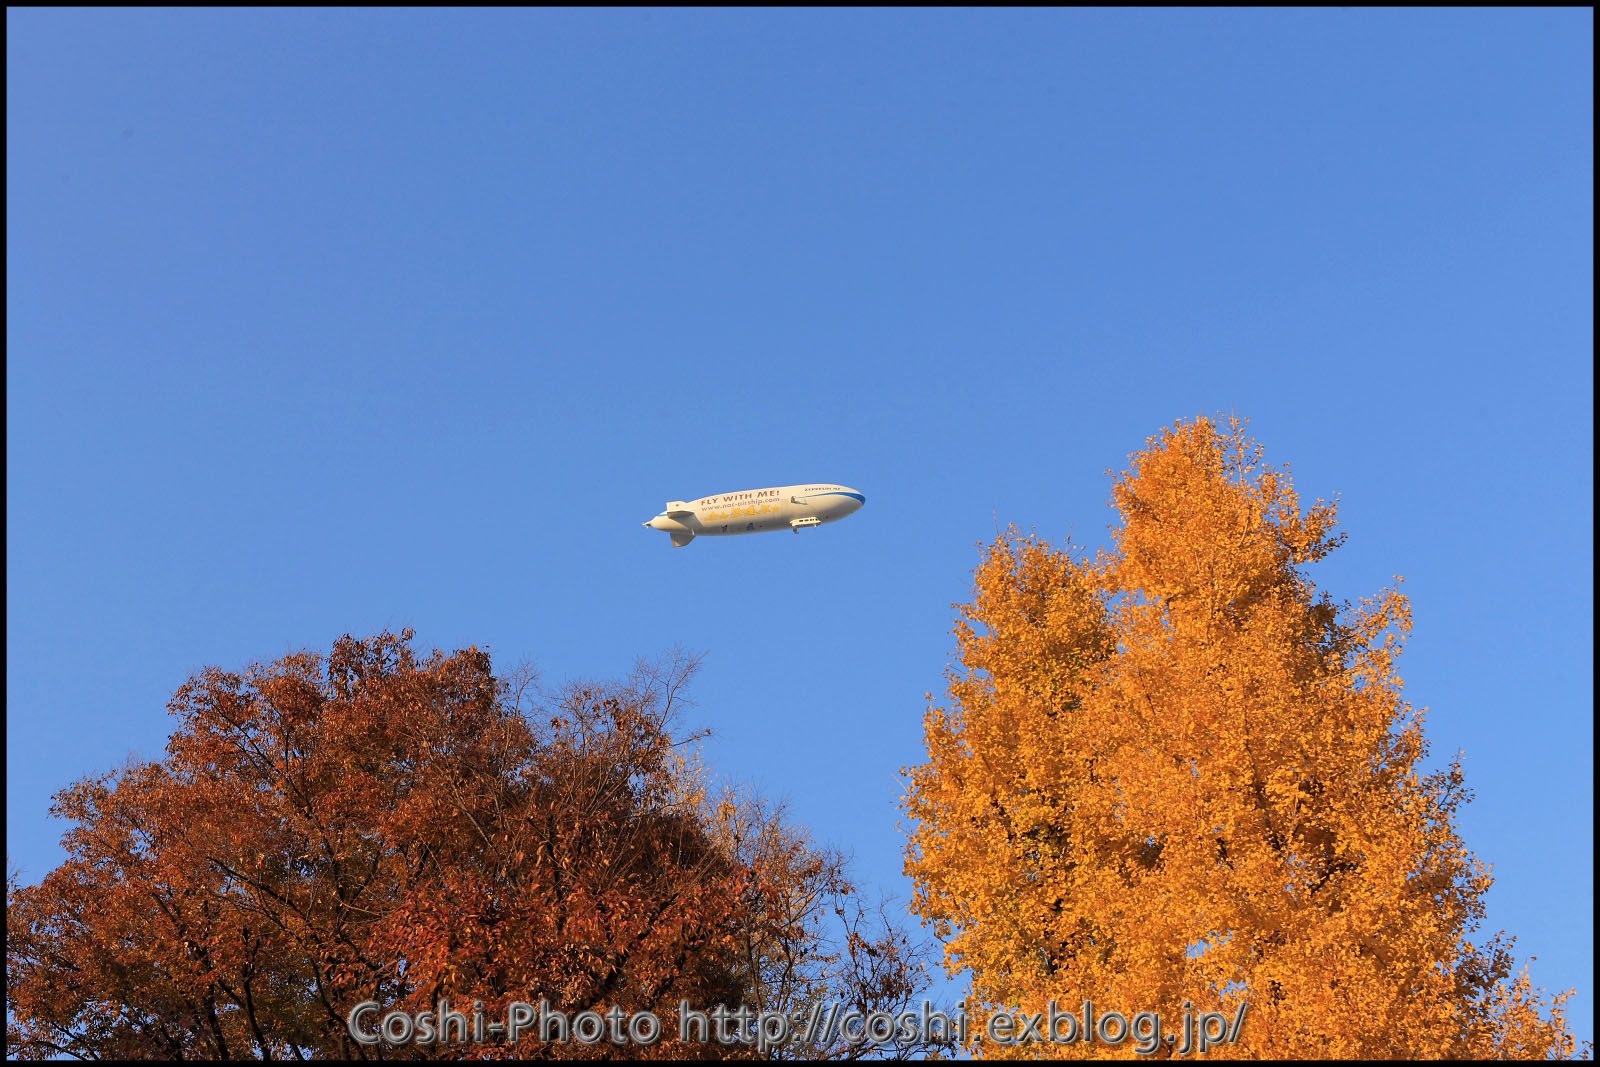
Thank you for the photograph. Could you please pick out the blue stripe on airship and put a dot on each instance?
(858, 496)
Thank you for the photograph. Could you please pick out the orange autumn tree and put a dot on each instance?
(382, 825)
(1176, 772)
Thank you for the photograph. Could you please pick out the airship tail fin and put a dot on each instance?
(681, 539)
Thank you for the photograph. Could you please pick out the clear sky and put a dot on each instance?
(334, 321)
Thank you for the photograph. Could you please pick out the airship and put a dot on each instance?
(787, 507)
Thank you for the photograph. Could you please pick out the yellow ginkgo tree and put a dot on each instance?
(1174, 776)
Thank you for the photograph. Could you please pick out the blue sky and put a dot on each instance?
(334, 321)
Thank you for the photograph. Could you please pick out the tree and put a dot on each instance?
(1174, 771)
(384, 826)
(813, 942)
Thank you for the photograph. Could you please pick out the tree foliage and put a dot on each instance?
(385, 826)
(1174, 771)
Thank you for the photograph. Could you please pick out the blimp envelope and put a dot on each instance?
(785, 507)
